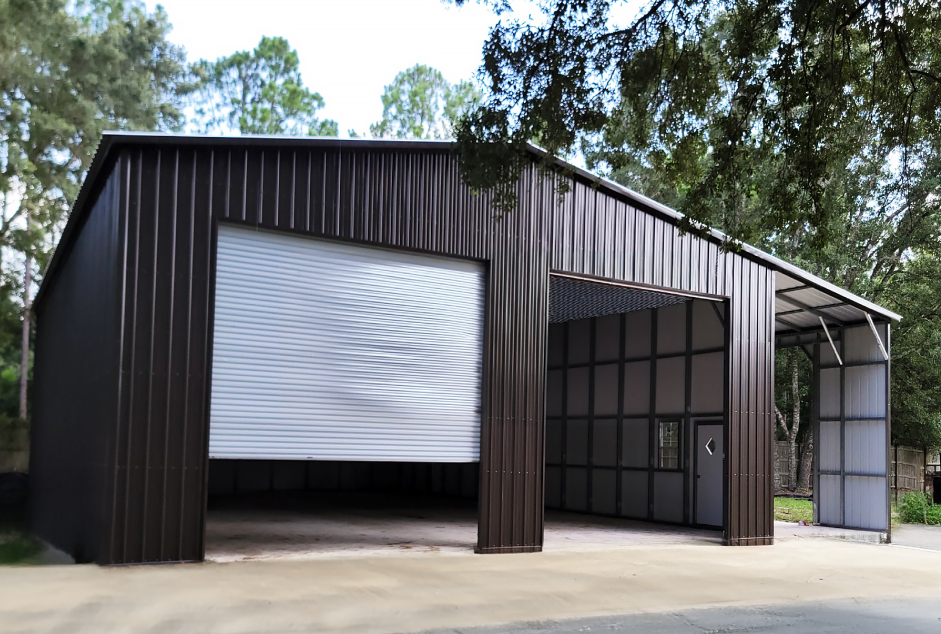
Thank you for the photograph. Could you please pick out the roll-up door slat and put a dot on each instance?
(331, 351)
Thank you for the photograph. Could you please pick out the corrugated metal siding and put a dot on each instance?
(174, 195)
(643, 248)
(413, 200)
(330, 351)
(852, 416)
(76, 387)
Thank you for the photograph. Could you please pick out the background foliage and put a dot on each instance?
(259, 92)
(421, 104)
(807, 127)
(69, 70)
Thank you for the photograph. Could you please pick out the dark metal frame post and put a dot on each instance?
(652, 414)
(619, 455)
(563, 453)
(888, 433)
(590, 449)
(727, 424)
(843, 429)
(815, 428)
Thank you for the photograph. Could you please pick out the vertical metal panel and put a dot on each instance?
(75, 448)
(853, 444)
(331, 351)
(829, 441)
(751, 353)
(829, 500)
(866, 502)
(413, 199)
(865, 393)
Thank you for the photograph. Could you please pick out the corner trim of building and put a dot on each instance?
(748, 541)
(496, 550)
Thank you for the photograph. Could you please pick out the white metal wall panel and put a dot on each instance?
(830, 393)
(634, 493)
(671, 329)
(607, 338)
(860, 345)
(828, 499)
(576, 442)
(332, 351)
(865, 446)
(577, 392)
(668, 496)
(637, 387)
(637, 334)
(635, 451)
(826, 353)
(853, 444)
(865, 502)
(576, 488)
(708, 381)
(708, 329)
(671, 385)
(865, 391)
(604, 491)
(606, 390)
(829, 445)
(604, 443)
(580, 341)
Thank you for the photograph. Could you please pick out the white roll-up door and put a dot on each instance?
(330, 351)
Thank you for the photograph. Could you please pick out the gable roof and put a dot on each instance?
(802, 298)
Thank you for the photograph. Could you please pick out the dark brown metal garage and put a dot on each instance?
(125, 325)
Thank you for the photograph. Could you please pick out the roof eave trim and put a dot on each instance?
(110, 139)
(756, 253)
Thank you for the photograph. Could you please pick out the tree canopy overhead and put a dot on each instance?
(260, 92)
(421, 104)
(723, 105)
(68, 76)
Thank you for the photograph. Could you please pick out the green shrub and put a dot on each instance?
(917, 508)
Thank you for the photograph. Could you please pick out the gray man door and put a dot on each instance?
(710, 456)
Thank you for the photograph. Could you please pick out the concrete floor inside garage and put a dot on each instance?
(304, 525)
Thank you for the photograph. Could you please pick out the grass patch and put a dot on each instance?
(917, 508)
(18, 547)
(793, 510)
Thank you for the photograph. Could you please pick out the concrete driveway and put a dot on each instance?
(445, 591)
(835, 616)
(917, 536)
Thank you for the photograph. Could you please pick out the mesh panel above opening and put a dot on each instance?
(571, 299)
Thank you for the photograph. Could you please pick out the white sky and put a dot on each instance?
(349, 49)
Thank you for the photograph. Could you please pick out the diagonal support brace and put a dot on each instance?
(830, 339)
(875, 333)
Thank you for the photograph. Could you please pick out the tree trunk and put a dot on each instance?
(24, 342)
(795, 427)
(807, 462)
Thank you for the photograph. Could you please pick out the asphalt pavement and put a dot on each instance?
(911, 616)
(918, 536)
